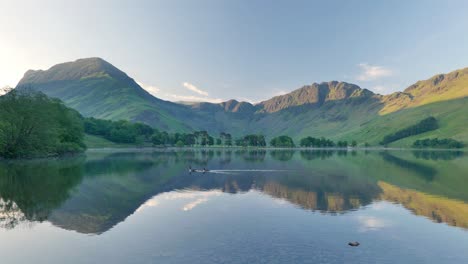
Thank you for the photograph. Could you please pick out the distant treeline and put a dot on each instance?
(424, 125)
(325, 143)
(438, 143)
(34, 125)
(138, 133)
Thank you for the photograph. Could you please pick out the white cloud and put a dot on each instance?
(372, 72)
(280, 92)
(150, 88)
(162, 94)
(379, 88)
(195, 89)
(191, 98)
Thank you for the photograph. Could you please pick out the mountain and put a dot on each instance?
(314, 94)
(337, 110)
(441, 87)
(96, 88)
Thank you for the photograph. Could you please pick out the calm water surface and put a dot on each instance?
(251, 207)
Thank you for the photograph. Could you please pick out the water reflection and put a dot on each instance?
(94, 193)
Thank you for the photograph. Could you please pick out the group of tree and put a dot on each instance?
(425, 125)
(438, 143)
(316, 142)
(251, 140)
(34, 125)
(324, 143)
(139, 133)
(119, 131)
(282, 142)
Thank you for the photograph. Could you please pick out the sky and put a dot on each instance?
(251, 50)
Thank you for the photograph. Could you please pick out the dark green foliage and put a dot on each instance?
(324, 143)
(119, 131)
(438, 143)
(252, 141)
(33, 125)
(282, 142)
(316, 142)
(226, 138)
(424, 125)
(342, 144)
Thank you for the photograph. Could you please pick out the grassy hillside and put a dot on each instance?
(336, 110)
(96, 88)
(439, 88)
(451, 116)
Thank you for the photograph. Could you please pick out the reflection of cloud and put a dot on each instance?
(150, 203)
(178, 195)
(197, 197)
(371, 223)
(192, 205)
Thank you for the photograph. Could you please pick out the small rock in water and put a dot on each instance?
(353, 244)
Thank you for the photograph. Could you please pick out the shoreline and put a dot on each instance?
(147, 148)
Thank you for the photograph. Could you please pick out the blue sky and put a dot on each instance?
(216, 50)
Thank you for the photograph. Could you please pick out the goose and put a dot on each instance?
(354, 244)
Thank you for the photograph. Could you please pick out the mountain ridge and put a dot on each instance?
(336, 109)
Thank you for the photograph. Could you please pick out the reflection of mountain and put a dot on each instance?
(327, 202)
(439, 209)
(94, 194)
(114, 187)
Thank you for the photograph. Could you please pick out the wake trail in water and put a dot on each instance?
(248, 170)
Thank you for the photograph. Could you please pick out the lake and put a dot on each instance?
(253, 206)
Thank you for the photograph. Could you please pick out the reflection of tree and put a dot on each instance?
(438, 155)
(316, 154)
(439, 209)
(31, 190)
(10, 214)
(325, 192)
(282, 155)
(257, 155)
(424, 171)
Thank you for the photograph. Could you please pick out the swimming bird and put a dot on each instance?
(205, 170)
(354, 244)
(191, 170)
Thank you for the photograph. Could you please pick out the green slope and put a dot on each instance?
(96, 88)
(336, 110)
(451, 116)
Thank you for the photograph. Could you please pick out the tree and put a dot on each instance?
(427, 124)
(254, 140)
(282, 142)
(353, 143)
(210, 141)
(33, 124)
(179, 144)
